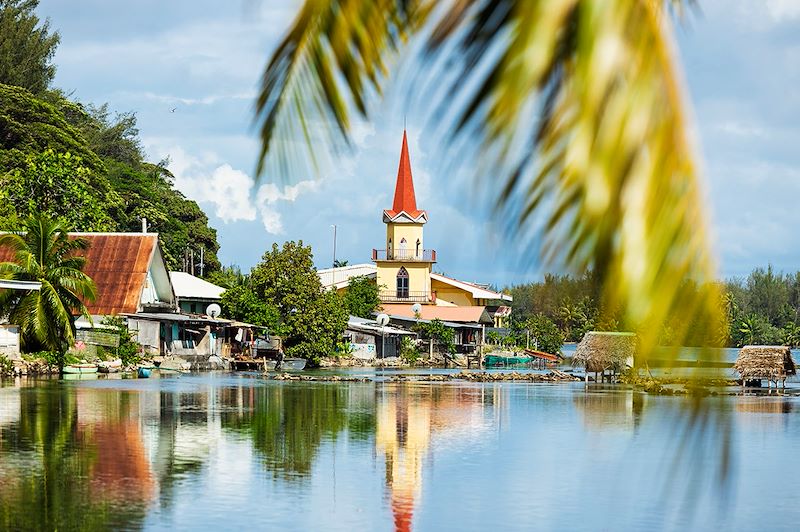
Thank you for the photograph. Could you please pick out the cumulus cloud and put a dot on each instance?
(231, 192)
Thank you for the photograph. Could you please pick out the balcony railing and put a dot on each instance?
(398, 296)
(423, 255)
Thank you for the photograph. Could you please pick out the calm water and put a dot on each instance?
(222, 451)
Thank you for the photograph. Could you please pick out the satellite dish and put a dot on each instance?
(383, 320)
(416, 308)
(213, 310)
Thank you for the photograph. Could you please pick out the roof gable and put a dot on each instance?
(118, 263)
(477, 291)
(187, 286)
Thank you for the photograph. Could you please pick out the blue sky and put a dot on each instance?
(204, 58)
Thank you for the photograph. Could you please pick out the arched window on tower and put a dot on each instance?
(389, 250)
(403, 248)
(418, 250)
(402, 284)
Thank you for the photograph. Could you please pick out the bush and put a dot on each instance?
(408, 350)
(129, 351)
(6, 366)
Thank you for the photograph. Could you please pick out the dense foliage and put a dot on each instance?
(361, 297)
(87, 168)
(763, 308)
(311, 320)
(44, 254)
(442, 336)
(26, 46)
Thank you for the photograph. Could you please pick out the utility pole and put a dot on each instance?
(202, 264)
(333, 272)
(191, 254)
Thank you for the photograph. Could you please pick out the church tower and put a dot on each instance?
(404, 266)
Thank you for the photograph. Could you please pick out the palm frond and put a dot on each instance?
(331, 60)
(580, 112)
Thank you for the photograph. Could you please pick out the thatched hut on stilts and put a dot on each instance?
(601, 352)
(770, 362)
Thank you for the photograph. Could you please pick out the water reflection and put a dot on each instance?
(207, 451)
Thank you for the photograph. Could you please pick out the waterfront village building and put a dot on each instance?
(404, 269)
(132, 281)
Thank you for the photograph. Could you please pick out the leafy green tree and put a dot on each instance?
(228, 277)
(59, 186)
(361, 297)
(240, 302)
(544, 334)
(26, 46)
(312, 320)
(129, 350)
(442, 336)
(45, 254)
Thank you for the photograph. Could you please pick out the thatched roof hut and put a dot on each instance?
(603, 351)
(771, 362)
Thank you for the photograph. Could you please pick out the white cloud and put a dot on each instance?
(740, 129)
(269, 194)
(783, 10)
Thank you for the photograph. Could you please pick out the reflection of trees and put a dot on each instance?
(62, 475)
(287, 423)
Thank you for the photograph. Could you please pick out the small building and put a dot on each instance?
(467, 323)
(368, 339)
(194, 294)
(600, 352)
(765, 362)
(9, 332)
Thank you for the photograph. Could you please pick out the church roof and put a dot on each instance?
(405, 201)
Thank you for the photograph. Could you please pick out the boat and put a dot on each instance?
(109, 366)
(143, 373)
(292, 364)
(497, 360)
(74, 369)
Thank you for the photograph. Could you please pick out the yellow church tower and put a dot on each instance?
(404, 266)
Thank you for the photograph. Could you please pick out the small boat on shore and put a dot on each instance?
(109, 366)
(491, 361)
(75, 369)
(143, 373)
(292, 364)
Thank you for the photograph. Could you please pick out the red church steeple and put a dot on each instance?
(405, 200)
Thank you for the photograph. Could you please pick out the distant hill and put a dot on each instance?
(78, 163)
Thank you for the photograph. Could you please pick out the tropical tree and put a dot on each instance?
(577, 107)
(361, 297)
(44, 253)
(26, 46)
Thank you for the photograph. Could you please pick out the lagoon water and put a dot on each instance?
(234, 451)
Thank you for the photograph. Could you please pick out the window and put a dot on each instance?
(402, 283)
(389, 250)
(403, 248)
(418, 245)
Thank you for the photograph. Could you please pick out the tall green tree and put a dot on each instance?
(312, 320)
(578, 111)
(45, 254)
(361, 297)
(27, 46)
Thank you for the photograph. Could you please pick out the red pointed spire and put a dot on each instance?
(404, 198)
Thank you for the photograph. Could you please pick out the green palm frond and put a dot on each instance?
(580, 112)
(332, 59)
(44, 252)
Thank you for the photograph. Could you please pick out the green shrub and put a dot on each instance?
(408, 350)
(6, 366)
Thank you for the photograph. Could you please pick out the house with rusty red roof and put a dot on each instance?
(128, 270)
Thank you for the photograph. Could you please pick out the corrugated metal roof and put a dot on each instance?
(118, 263)
(473, 314)
(341, 276)
(187, 286)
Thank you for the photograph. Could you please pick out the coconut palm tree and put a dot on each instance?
(571, 112)
(44, 253)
